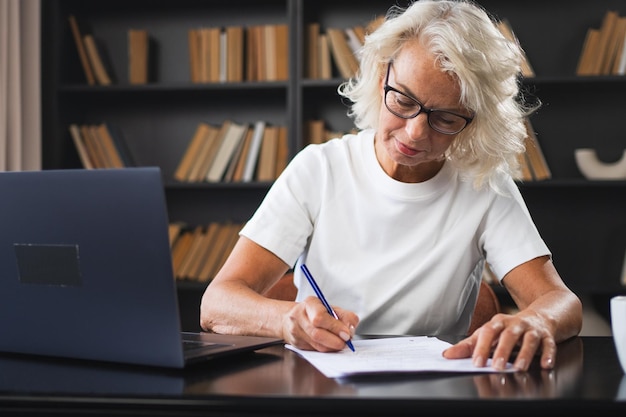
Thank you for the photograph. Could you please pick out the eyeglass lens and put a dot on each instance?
(407, 108)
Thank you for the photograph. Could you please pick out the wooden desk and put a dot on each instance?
(587, 380)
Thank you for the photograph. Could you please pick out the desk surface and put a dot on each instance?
(275, 381)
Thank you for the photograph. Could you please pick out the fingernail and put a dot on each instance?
(352, 330)
(478, 361)
(345, 336)
(549, 363)
(499, 363)
(521, 364)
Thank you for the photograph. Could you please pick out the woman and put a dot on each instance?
(396, 222)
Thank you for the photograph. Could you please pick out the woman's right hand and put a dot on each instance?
(307, 325)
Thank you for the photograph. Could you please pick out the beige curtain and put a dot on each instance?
(20, 85)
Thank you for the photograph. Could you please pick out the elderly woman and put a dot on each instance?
(396, 222)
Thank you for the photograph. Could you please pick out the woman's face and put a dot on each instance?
(410, 150)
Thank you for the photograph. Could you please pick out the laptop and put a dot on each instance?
(87, 271)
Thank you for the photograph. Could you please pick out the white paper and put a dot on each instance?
(394, 354)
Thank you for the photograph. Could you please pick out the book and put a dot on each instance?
(269, 39)
(82, 52)
(101, 74)
(188, 258)
(282, 51)
(93, 146)
(253, 154)
(266, 168)
(315, 131)
(619, 47)
(203, 250)
(536, 158)
(589, 52)
(180, 251)
(256, 66)
(240, 164)
(201, 162)
(191, 152)
(250, 61)
(223, 58)
(602, 47)
(620, 64)
(214, 50)
(607, 28)
(325, 66)
(282, 151)
(81, 149)
(138, 51)
(173, 230)
(234, 53)
(120, 144)
(209, 54)
(110, 148)
(343, 57)
(233, 135)
(312, 51)
(193, 41)
(216, 137)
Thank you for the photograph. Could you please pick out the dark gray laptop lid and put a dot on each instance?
(86, 266)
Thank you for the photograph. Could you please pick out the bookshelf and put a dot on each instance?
(582, 221)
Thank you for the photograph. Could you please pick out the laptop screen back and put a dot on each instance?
(86, 266)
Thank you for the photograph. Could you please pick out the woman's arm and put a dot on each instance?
(233, 304)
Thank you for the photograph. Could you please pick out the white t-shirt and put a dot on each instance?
(407, 258)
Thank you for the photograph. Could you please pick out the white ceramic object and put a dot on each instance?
(595, 169)
(618, 326)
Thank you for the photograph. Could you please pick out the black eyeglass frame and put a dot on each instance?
(422, 108)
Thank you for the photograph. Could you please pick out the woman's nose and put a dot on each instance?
(417, 127)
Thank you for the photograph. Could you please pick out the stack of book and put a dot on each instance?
(237, 53)
(199, 252)
(604, 48)
(334, 47)
(100, 146)
(90, 56)
(234, 152)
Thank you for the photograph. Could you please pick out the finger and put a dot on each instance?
(350, 319)
(509, 338)
(462, 349)
(530, 344)
(487, 337)
(548, 353)
(326, 333)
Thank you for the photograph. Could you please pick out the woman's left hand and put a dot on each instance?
(521, 335)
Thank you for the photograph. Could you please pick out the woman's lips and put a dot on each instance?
(402, 148)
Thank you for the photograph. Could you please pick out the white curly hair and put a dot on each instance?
(467, 44)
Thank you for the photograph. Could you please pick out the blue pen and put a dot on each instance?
(319, 294)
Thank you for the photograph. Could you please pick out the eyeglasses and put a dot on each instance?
(407, 107)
